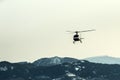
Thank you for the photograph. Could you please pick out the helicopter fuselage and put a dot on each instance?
(77, 38)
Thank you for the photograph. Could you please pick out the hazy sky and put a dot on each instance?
(32, 29)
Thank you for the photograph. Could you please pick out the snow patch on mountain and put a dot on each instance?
(56, 60)
(3, 68)
(70, 74)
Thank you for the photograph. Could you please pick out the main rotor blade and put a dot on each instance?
(87, 30)
(81, 31)
(70, 31)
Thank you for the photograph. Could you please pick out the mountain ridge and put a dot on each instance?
(53, 61)
(76, 70)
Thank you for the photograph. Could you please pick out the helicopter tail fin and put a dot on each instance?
(81, 39)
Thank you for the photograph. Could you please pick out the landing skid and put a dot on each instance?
(76, 41)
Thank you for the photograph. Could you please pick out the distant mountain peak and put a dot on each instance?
(104, 59)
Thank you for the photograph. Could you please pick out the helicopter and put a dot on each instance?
(78, 37)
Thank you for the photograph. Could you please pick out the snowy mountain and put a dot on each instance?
(104, 60)
(53, 61)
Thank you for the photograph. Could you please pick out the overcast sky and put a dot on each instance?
(33, 29)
